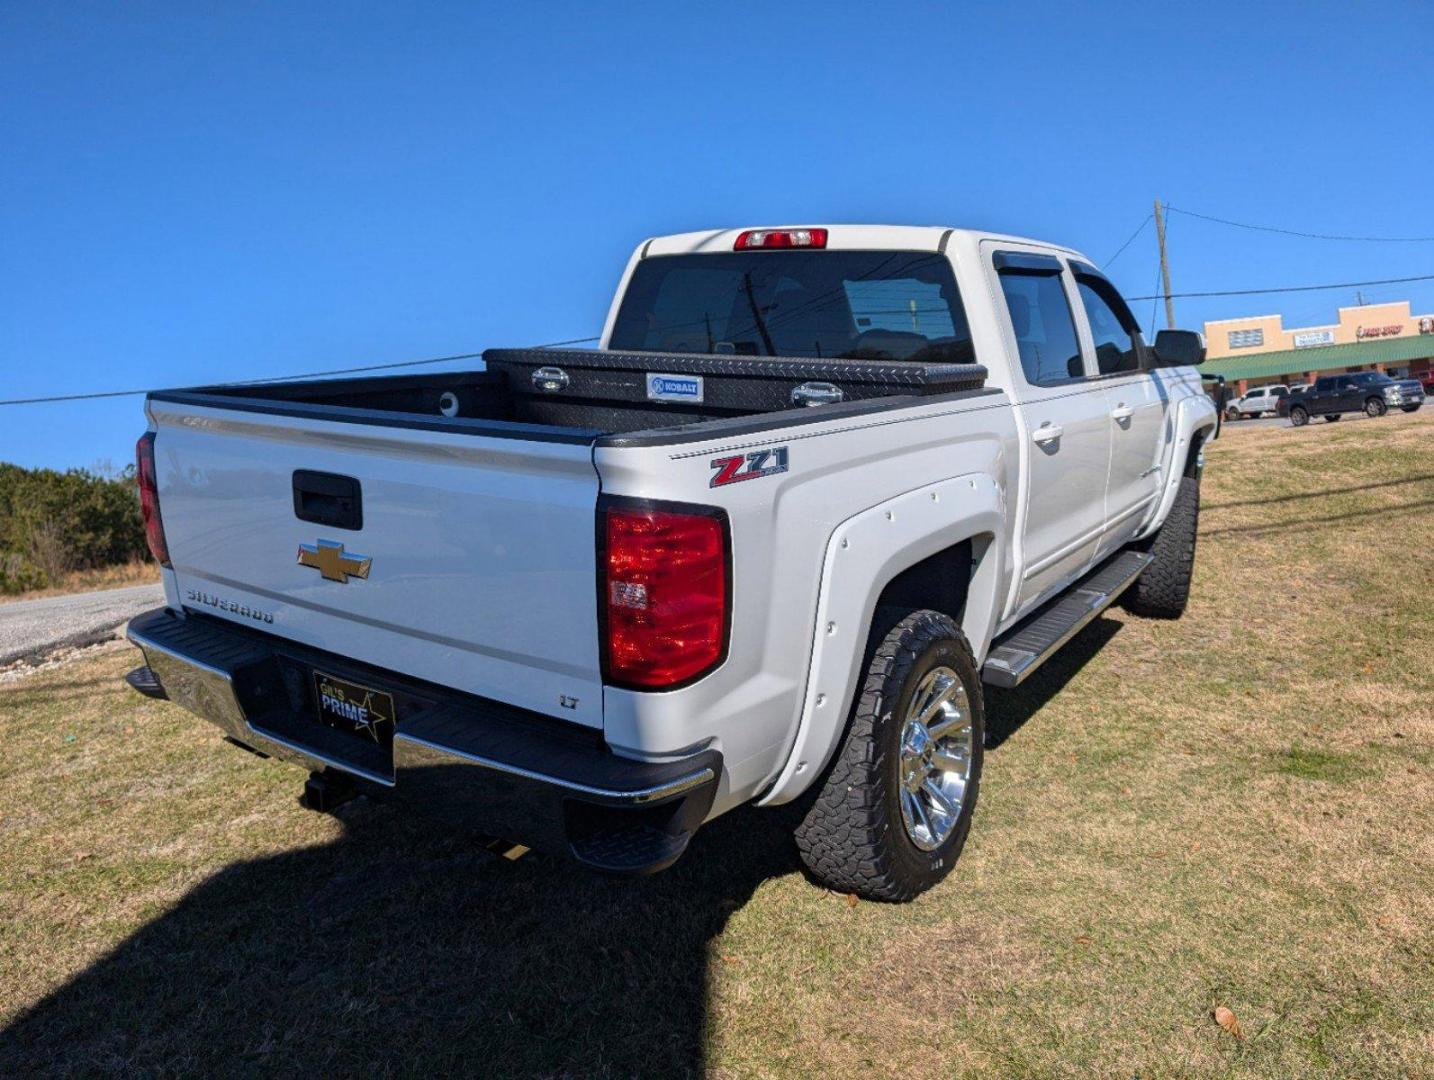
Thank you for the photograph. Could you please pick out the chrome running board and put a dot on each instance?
(1015, 655)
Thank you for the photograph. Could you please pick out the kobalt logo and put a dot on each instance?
(739, 467)
(674, 387)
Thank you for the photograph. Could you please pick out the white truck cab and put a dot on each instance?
(817, 488)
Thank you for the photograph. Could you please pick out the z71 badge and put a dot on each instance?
(759, 463)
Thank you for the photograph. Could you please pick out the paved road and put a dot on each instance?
(31, 627)
(1284, 421)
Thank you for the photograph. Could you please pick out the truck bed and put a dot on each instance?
(590, 393)
(478, 521)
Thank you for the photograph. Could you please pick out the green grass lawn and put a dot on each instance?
(1236, 809)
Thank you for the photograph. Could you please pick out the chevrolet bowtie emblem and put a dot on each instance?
(331, 560)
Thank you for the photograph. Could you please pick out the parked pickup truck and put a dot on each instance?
(1261, 401)
(1369, 392)
(768, 544)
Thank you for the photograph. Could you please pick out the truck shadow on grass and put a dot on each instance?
(1008, 710)
(405, 949)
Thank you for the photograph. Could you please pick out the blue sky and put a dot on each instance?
(196, 192)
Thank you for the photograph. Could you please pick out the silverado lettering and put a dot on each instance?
(197, 596)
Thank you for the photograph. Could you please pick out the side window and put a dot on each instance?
(1044, 327)
(1324, 382)
(1111, 326)
(1280, 391)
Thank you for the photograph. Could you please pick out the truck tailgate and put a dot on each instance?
(482, 573)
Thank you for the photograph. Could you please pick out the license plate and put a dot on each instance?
(360, 711)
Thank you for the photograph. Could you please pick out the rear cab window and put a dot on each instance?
(820, 304)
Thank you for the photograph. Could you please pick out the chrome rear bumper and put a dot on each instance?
(481, 764)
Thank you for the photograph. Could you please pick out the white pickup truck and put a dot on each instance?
(766, 544)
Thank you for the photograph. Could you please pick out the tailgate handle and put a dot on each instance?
(328, 499)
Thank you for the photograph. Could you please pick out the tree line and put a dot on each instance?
(52, 523)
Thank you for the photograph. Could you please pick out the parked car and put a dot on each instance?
(1370, 392)
(816, 490)
(1261, 401)
(1282, 407)
(1411, 391)
(1426, 380)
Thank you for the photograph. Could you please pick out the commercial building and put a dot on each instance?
(1370, 337)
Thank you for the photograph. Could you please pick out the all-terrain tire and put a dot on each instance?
(1330, 418)
(1299, 416)
(1410, 408)
(1375, 407)
(1163, 588)
(852, 837)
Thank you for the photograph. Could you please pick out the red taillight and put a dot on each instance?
(149, 497)
(780, 238)
(664, 595)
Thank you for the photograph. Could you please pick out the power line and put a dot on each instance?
(586, 340)
(1289, 288)
(570, 341)
(286, 378)
(1306, 235)
(1121, 250)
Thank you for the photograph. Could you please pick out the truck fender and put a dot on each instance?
(863, 554)
(1194, 420)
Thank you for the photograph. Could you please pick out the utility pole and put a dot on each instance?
(1164, 265)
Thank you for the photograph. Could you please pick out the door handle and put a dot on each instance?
(1047, 431)
(1122, 412)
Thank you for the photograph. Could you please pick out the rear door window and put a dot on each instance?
(1043, 326)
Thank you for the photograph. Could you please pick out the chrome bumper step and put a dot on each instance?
(533, 780)
(1018, 653)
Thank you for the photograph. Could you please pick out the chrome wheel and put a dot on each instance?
(936, 751)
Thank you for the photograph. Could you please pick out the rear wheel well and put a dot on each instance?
(939, 582)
